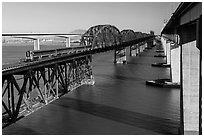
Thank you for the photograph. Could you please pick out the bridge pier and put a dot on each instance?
(120, 56)
(164, 45)
(154, 42)
(68, 42)
(138, 50)
(145, 45)
(175, 63)
(134, 50)
(168, 52)
(36, 44)
(142, 47)
(150, 44)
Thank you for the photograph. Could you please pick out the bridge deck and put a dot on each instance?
(23, 66)
(72, 114)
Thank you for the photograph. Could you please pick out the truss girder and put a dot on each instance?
(101, 36)
(127, 35)
(23, 94)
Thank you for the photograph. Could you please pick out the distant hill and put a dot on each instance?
(78, 31)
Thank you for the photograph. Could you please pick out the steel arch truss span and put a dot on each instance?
(25, 92)
(120, 54)
(139, 34)
(137, 48)
(127, 35)
(101, 36)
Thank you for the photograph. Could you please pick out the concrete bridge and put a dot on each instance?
(37, 36)
(184, 28)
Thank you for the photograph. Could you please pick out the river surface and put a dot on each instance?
(118, 103)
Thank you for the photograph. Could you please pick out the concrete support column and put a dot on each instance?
(168, 53)
(164, 45)
(134, 50)
(149, 44)
(141, 48)
(175, 64)
(120, 56)
(36, 44)
(145, 45)
(131, 49)
(190, 85)
(138, 49)
(154, 42)
(68, 42)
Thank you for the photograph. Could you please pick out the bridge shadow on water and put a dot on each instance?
(155, 124)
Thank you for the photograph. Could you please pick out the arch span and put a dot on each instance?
(127, 35)
(101, 36)
(139, 34)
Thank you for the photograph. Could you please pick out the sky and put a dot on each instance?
(64, 17)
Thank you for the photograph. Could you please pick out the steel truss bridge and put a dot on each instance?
(27, 86)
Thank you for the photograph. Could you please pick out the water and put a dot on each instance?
(12, 52)
(118, 103)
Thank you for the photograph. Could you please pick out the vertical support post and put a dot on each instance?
(9, 96)
(190, 79)
(68, 42)
(145, 45)
(21, 91)
(57, 77)
(168, 52)
(181, 129)
(36, 44)
(131, 50)
(175, 63)
(199, 45)
(66, 76)
(170, 62)
(149, 44)
(12, 98)
(120, 56)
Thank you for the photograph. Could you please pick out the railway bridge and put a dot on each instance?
(38, 80)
